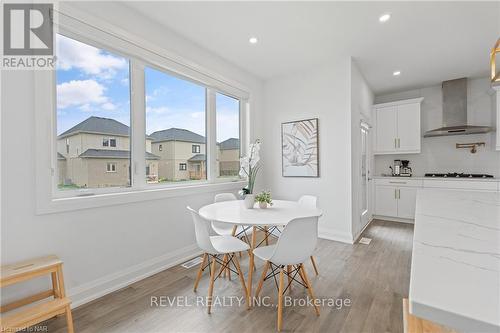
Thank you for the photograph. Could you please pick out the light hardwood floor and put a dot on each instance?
(374, 277)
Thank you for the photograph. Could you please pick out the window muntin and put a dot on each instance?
(176, 124)
(228, 135)
(93, 98)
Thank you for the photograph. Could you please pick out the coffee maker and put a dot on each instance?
(405, 170)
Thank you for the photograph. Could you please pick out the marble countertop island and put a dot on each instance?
(455, 271)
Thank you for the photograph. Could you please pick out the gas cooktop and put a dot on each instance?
(458, 175)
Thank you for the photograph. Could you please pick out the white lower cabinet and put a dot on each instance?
(385, 201)
(395, 201)
(397, 197)
(407, 197)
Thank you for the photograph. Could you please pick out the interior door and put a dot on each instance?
(386, 128)
(365, 176)
(408, 116)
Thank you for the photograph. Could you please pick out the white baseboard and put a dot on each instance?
(107, 284)
(343, 237)
(393, 219)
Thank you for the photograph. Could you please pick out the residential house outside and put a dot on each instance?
(182, 154)
(96, 153)
(229, 157)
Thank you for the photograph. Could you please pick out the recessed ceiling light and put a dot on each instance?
(384, 18)
(253, 40)
(396, 73)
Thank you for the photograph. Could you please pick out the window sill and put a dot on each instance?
(56, 205)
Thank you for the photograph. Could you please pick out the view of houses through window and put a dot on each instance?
(93, 116)
(228, 135)
(93, 122)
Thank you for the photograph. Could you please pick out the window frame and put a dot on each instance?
(113, 167)
(195, 149)
(139, 53)
(182, 166)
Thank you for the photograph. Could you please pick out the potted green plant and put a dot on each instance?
(264, 198)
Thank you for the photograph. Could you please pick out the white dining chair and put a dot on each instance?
(225, 229)
(309, 201)
(295, 245)
(213, 247)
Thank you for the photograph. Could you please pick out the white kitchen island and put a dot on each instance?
(455, 271)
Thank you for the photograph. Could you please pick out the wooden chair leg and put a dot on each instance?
(266, 235)
(314, 265)
(280, 300)
(200, 272)
(211, 284)
(301, 276)
(261, 282)
(288, 274)
(69, 319)
(309, 289)
(242, 279)
(224, 259)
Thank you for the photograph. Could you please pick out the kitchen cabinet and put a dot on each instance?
(394, 201)
(397, 127)
(395, 197)
(407, 197)
(385, 201)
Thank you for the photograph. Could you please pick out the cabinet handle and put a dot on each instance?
(395, 194)
(395, 143)
(394, 182)
(399, 143)
(399, 193)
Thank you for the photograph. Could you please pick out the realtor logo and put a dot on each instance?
(27, 29)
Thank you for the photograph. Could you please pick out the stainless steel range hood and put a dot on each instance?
(455, 111)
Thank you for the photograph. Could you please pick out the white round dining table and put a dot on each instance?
(279, 214)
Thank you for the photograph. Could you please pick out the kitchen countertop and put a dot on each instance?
(440, 178)
(455, 271)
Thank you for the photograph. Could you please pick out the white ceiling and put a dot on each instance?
(428, 41)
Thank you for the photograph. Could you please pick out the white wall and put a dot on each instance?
(361, 109)
(102, 248)
(439, 154)
(322, 92)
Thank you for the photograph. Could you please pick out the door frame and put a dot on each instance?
(366, 215)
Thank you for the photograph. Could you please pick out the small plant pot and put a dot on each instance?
(262, 205)
(249, 201)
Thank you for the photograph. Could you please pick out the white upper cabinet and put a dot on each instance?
(397, 127)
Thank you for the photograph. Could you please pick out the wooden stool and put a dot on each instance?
(414, 324)
(29, 316)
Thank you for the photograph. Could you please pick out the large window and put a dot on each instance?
(128, 118)
(175, 127)
(228, 135)
(93, 102)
